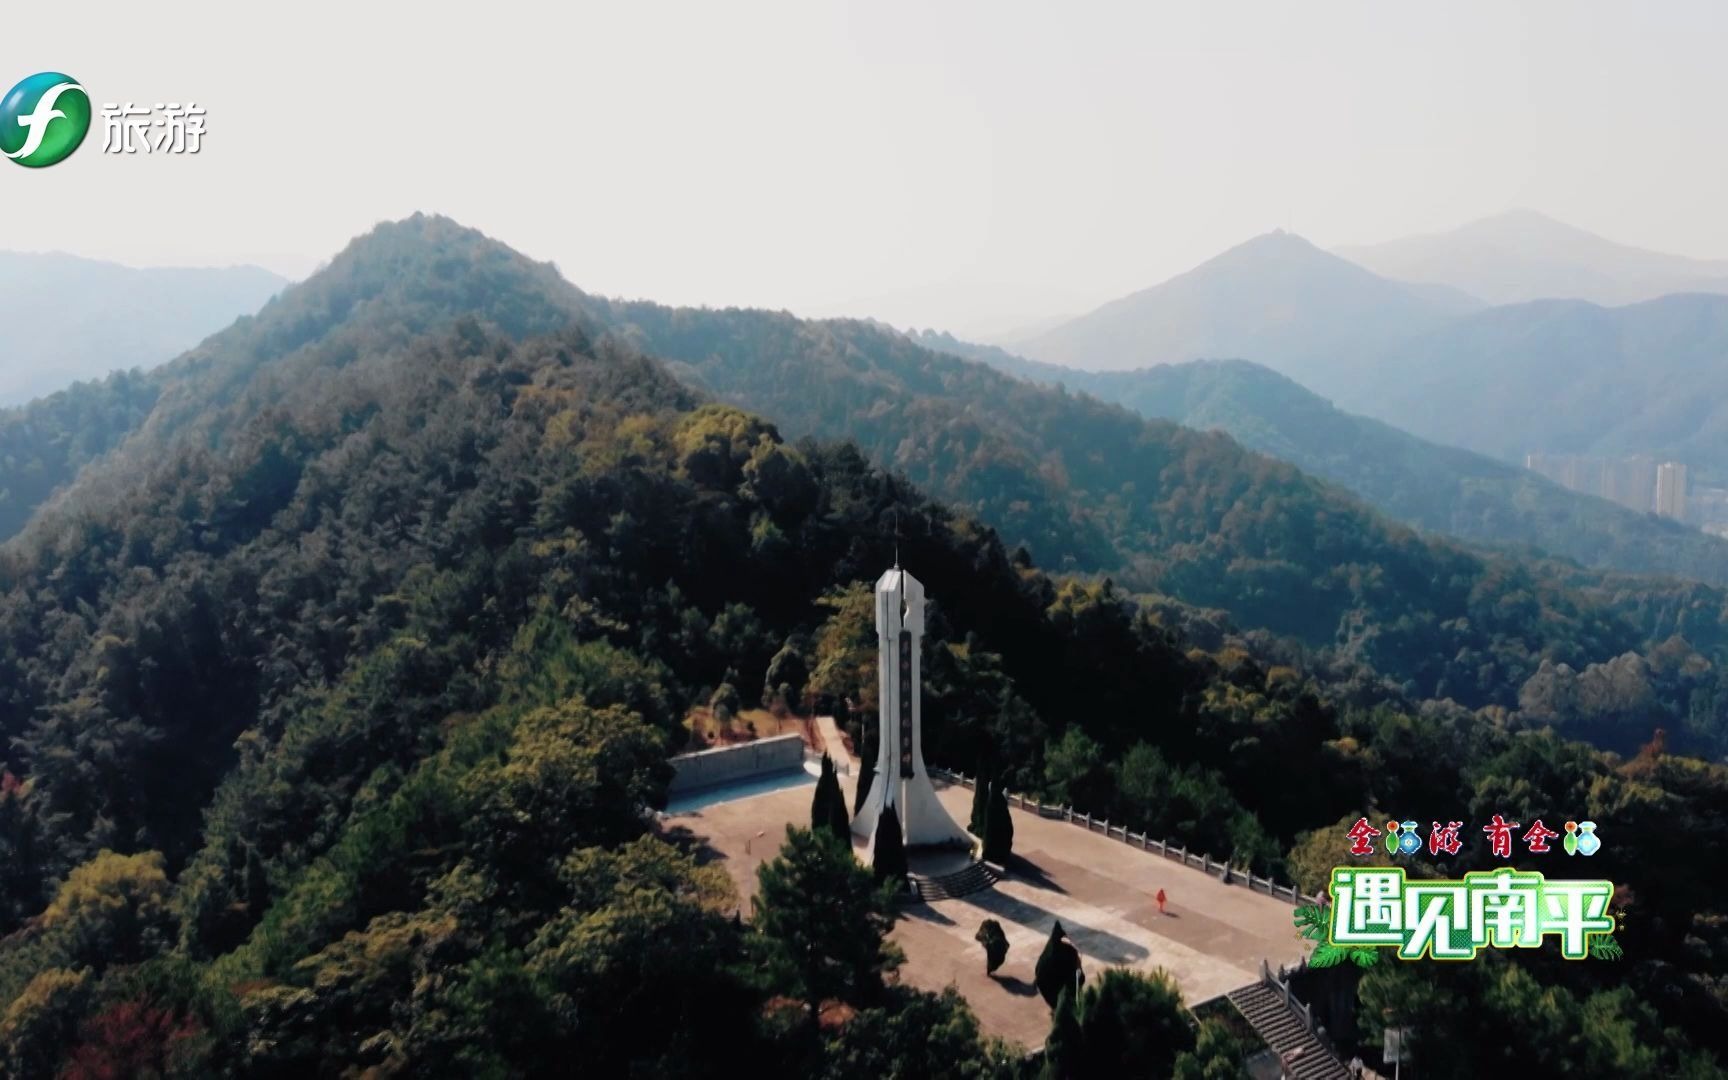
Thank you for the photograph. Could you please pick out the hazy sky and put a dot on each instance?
(968, 165)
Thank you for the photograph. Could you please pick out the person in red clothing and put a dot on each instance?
(1160, 901)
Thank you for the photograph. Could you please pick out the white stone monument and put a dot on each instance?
(901, 780)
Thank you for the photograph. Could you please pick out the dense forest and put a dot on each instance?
(43, 447)
(1196, 516)
(336, 696)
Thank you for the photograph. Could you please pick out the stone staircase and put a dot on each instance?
(1302, 1053)
(975, 878)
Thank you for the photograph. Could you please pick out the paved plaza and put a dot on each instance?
(1211, 940)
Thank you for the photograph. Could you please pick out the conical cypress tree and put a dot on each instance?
(866, 776)
(889, 858)
(839, 822)
(828, 805)
(998, 828)
(1058, 966)
(981, 814)
(819, 798)
(980, 803)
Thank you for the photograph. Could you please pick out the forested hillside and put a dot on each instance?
(1565, 376)
(334, 698)
(1082, 485)
(43, 447)
(399, 290)
(1440, 489)
(1195, 516)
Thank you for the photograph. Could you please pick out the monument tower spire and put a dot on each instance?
(902, 780)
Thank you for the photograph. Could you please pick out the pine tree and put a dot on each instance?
(823, 921)
(1125, 1024)
(1067, 1034)
(889, 859)
(998, 828)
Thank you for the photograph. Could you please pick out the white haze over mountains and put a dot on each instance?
(976, 164)
(1510, 335)
(1276, 299)
(1329, 320)
(1326, 319)
(69, 319)
(1334, 320)
(1523, 255)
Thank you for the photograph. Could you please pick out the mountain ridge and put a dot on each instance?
(1276, 298)
(1612, 380)
(1522, 255)
(1088, 486)
(1434, 487)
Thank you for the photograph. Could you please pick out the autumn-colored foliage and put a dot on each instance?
(130, 1039)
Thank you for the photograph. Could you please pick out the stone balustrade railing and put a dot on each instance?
(1279, 981)
(1228, 874)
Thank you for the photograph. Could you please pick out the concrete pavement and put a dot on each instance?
(1211, 941)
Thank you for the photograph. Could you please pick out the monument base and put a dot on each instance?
(923, 821)
(938, 874)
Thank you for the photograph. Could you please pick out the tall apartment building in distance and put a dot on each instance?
(1637, 482)
(1671, 490)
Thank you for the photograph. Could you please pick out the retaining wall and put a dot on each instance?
(728, 764)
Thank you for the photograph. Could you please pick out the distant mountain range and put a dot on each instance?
(1437, 488)
(1565, 376)
(69, 318)
(1521, 255)
(1402, 338)
(1277, 299)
